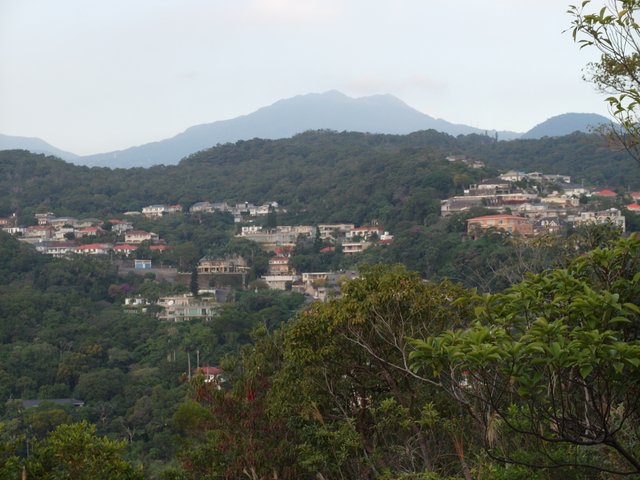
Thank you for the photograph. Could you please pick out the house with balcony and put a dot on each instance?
(280, 282)
(221, 266)
(334, 231)
(94, 249)
(353, 248)
(44, 218)
(55, 248)
(139, 236)
(43, 232)
(183, 308)
(509, 223)
(489, 186)
(154, 210)
(279, 266)
(364, 233)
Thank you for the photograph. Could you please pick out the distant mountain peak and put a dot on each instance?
(385, 99)
(330, 110)
(566, 124)
(34, 145)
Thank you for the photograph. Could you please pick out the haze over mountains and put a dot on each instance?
(330, 110)
(35, 145)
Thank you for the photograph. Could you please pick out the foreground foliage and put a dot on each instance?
(539, 382)
(552, 363)
(75, 452)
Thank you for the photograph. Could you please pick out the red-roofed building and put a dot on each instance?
(283, 250)
(158, 248)
(605, 193)
(633, 207)
(125, 248)
(327, 249)
(508, 223)
(173, 208)
(635, 196)
(90, 232)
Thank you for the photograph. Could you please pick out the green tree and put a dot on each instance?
(345, 388)
(100, 384)
(271, 221)
(74, 452)
(611, 27)
(194, 287)
(553, 362)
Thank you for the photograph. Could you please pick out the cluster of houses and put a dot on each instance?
(282, 240)
(240, 211)
(351, 239)
(60, 236)
(318, 285)
(521, 206)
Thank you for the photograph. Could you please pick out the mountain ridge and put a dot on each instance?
(566, 124)
(330, 110)
(34, 145)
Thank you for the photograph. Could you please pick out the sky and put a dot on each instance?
(91, 76)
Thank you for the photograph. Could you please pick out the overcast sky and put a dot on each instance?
(91, 76)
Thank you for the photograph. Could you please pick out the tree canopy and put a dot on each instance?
(611, 27)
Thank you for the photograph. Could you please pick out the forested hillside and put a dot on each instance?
(64, 334)
(587, 158)
(322, 176)
(479, 372)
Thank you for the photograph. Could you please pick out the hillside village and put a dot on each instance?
(535, 203)
(527, 204)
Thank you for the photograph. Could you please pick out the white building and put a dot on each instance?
(611, 215)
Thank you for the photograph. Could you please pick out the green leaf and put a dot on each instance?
(585, 370)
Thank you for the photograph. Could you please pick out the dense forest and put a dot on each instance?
(446, 359)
